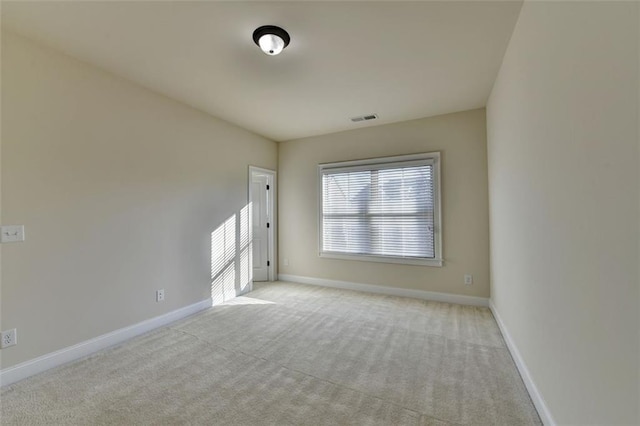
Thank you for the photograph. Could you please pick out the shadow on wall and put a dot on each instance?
(232, 257)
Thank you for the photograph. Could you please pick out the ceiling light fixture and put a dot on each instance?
(271, 39)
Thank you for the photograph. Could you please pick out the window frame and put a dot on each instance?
(430, 158)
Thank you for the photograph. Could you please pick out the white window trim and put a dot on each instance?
(430, 157)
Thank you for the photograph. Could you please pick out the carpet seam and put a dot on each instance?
(296, 318)
(304, 373)
(356, 321)
(319, 311)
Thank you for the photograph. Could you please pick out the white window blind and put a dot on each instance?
(381, 209)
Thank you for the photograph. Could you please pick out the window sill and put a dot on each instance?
(383, 259)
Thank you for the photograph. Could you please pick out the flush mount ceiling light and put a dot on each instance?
(271, 39)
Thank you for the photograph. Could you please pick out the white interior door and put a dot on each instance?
(260, 220)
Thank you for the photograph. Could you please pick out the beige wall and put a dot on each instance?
(460, 137)
(564, 183)
(119, 190)
(1, 328)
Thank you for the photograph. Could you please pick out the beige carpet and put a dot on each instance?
(290, 354)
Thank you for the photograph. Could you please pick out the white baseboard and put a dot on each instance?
(54, 359)
(536, 397)
(391, 291)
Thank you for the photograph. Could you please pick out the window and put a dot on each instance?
(382, 210)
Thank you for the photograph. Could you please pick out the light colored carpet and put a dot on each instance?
(290, 354)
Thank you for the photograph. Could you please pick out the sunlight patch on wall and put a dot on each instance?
(223, 246)
(246, 247)
(232, 257)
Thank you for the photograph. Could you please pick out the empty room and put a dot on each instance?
(320, 213)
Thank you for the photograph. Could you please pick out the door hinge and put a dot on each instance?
(268, 263)
(267, 187)
(268, 224)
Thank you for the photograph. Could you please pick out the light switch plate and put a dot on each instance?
(11, 233)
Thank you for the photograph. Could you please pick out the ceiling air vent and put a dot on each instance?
(364, 118)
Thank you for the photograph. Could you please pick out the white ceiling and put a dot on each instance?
(401, 60)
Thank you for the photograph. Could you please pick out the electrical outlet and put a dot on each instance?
(286, 261)
(9, 338)
(468, 279)
(160, 295)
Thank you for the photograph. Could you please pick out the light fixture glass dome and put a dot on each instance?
(271, 44)
(271, 39)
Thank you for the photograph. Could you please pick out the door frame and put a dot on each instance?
(272, 231)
